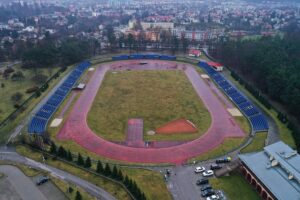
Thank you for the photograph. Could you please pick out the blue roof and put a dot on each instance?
(278, 168)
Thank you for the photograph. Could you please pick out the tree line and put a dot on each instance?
(106, 169)
(269, 67)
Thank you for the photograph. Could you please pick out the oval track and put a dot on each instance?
(76, 127)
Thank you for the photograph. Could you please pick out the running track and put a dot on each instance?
(76, 127)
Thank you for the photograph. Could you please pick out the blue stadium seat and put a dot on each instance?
(39, 122)
(259, 123)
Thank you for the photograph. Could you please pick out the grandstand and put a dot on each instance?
(143, 56)
(257, 120)
(39, 121)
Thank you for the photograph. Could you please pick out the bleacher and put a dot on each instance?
(258, 120)
(144, 56)
(38, 123)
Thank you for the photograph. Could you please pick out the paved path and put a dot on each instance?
(23, 185)
(223, 125)
(87, 186)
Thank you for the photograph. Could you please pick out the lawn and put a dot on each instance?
(64, 187)
(229, 144)
(156, 96)
(257, 144)
(150, 182)
(235, 187)
(11, 87)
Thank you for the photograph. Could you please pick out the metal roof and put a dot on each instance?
(277, 167)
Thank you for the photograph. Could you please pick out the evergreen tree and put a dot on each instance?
(99, 167)
(78, 196)
(115, 172)
(69, 156)
(61, 152)
(88, 162)
(80, 160)
(107, 170)
(120, 175)
(126, 181)
(53, 148)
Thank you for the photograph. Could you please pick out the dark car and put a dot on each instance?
(206, 187)
(215, 166)
(207, 193)
(202, 181)
(224, 160)
(42, 180)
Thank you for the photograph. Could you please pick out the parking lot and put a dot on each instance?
(182, 182)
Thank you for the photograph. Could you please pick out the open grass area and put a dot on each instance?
(64, 187)
(150, 182)
(235, 187)
(284, 132)
(109, 186)
(156, 96)
(11, 87)
(257, 144)
(28, 171)
(229, 144)
(244, 124)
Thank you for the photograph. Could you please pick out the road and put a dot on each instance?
(9, 155)
(26, 189)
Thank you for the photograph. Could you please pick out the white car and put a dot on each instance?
(199, 169)
(208, 173)
(213, 197)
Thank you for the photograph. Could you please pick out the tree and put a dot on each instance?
(18, 76)
(80, 160)
(16, 97)
(87, 163)
(53, 148)
(115, 172)
(78, 196)
(107, 170)
(61, 152)
(69, 156)
(99, 168)
(110, 34)
(120, 175)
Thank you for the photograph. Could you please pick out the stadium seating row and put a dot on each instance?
(257, 119)
(143, 56)
(38, 123)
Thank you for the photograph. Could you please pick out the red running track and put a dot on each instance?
(76, 127)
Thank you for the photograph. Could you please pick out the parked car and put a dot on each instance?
(202, 181)
(215, 166)
(213, 197)
(42, 180)
(168, 172)
(208, 173)
(224, 160)
(199, 169)
(206, 187)
(208, 193)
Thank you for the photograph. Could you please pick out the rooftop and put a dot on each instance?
(278, 168)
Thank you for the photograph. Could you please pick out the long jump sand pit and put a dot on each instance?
(223, 125)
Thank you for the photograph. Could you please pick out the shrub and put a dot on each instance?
(32, 89)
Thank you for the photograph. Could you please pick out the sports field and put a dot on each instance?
(156, 96)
